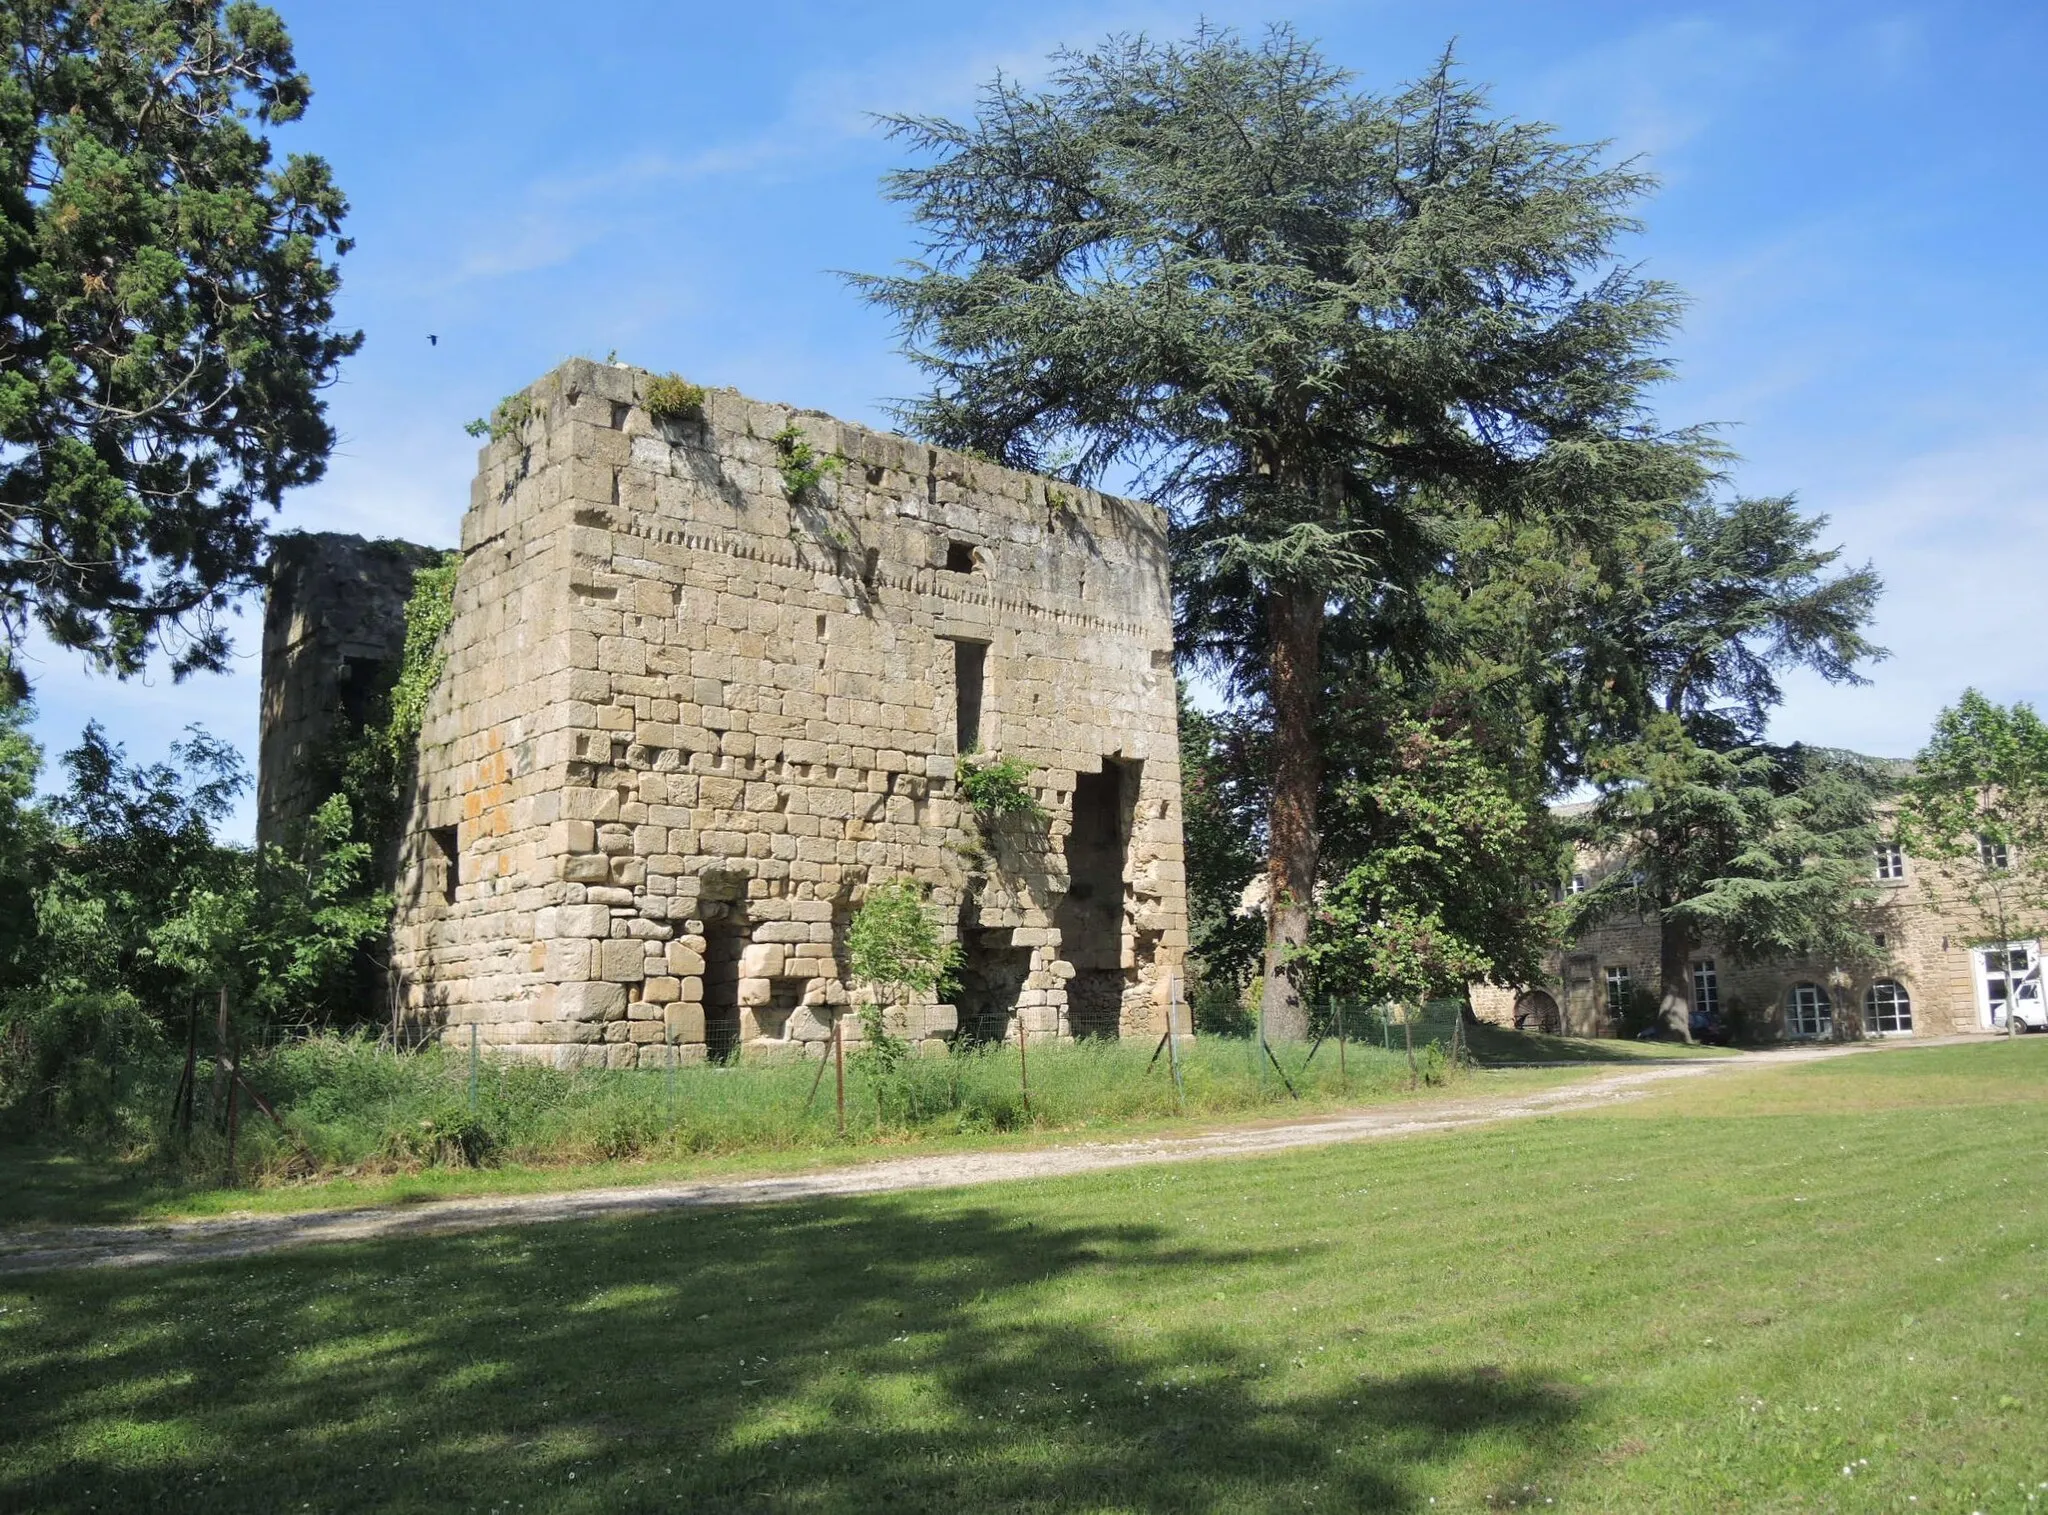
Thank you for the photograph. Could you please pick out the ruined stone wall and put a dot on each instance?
(686, 721)
(333, 637)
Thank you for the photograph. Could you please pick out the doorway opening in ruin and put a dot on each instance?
(1091, 917)
(725, 938)
(992, 974)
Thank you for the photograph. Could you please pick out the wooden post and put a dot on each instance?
(668, 1058)
(181, 1103)
(1023, 1064)
(1343, 1074)
(220, 1056)
(818, 1078)
(1173, 1044)
(839, 1068)
(234, 1102)
(472, 1065)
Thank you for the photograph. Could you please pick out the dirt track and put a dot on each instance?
(205, 1240)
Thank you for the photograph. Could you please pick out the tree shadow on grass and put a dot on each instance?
(1496, 1046)
(855, 1356)
(46, 1185)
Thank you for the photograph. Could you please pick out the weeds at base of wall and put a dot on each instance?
(352, 1108)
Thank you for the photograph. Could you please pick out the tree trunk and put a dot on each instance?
(1674, 974)
(1294, 626)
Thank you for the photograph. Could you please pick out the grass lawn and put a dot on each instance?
(1817, 1287)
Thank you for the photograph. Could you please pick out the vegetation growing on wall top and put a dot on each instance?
(510, 414)
(802, 466)
(671, 397)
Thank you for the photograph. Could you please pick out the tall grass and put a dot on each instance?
(347, 1104)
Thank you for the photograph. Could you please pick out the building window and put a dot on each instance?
(1577, 885)
(1891, 861)
(1887, 1008)
(1991, 852)
(1809, 1013)
(1618, 990)
(1706, 988)
(960, 557)
(1878, 937)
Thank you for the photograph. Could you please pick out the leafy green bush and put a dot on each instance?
(996, 788)
(351, 1106)
(507, 419)
(802, 467)
(67, 1057)
(671, 397)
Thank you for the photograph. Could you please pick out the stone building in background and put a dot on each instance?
(1938, 976)
(686, 719)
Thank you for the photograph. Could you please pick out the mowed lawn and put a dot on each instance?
(1817, 1287)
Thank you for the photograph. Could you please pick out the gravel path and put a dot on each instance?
(246, 1236)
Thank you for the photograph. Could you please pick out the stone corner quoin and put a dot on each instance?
(686, 720)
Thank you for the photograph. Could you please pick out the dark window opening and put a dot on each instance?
(970, 665)
(1091, 916)
(725, 938)
(959, 557)
(360, 688)
(448, 854)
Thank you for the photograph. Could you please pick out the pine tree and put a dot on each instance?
(1299, 315)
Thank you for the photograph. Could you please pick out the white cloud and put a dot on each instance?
(1959, 536)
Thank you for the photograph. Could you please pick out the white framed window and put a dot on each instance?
(1706, 987)
(1577, 885)
(1887, 1009)
(1619, 987)
(1891, 861)
(1991, 852)
(1809, 1012)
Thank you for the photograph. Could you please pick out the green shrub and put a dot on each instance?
(802, 467)
(671, 397)
(452, 1137)
(68, 1058)
(352, 1106)
(996, 788)
(507, 419)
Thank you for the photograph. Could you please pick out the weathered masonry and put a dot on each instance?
(687, 719)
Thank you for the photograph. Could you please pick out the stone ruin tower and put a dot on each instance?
(686, 720)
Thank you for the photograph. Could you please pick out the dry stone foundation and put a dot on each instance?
(687, 720)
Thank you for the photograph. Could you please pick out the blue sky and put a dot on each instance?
(1852, 196)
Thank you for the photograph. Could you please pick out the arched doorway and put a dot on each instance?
(1536, 1010)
